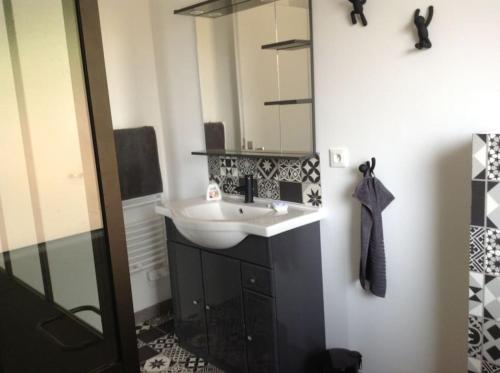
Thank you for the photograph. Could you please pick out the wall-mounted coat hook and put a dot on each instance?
(422, 25)
(367, 168)
(358, 10)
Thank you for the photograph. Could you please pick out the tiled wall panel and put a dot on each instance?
(484, 257)
(291, 180)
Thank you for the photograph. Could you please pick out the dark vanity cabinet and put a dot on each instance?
(254, 308)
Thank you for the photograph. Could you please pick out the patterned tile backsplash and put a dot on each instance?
(291, 180)
(484, 256)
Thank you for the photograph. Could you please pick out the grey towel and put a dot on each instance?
(374, 198)
(138, 162)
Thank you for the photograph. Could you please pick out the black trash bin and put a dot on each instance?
(339, 360)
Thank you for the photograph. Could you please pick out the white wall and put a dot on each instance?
(178, 83)
(415, 111)
(135, 101)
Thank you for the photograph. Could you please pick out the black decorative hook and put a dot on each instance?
(422, 25)
(367, 168)
(358, 10)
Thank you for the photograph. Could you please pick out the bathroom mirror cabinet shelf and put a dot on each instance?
(255, 154)
(256, 83)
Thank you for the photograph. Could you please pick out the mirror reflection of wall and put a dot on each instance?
(244, 85)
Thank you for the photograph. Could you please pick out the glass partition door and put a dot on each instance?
(55, 289)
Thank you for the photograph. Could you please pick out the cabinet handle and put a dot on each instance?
(249, 338)
(207, 307)
(252, 280)
(196, 302)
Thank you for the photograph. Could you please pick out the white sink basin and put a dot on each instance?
(224, 224)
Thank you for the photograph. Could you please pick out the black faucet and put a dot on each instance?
(247, 189)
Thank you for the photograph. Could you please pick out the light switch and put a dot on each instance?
(339, 157)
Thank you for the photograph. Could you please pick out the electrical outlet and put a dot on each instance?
(339, 157)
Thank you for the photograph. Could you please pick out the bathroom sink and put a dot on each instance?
(223, 224)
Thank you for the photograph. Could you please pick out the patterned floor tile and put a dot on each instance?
(494, 157)
(289, 170)
(490, 368)
(269, 189)
(157, 364)
(473, 365)
(491, 341)
(476, 285)
(476, 249)
(229, 166)
(475, 336)
(479, 156)
(491, 297)
(247, 166)
(311, 171)
(167, 347)
(493, 252)
(311, 194)
(267, 168)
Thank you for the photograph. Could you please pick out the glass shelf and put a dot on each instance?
(288, 45)
(255, 154)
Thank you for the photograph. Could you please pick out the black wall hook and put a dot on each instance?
(422, 25)
(367, 169)
(359, 10)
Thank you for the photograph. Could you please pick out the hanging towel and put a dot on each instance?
(374, 198)
(138, 162)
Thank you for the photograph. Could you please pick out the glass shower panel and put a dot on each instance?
(50, 200)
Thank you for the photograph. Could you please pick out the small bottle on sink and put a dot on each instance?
(213, 192)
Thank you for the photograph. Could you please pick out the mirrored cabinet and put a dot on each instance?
(256, 76)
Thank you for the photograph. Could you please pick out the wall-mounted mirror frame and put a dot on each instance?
(287, 109)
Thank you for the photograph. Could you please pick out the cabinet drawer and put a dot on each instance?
(258, 279)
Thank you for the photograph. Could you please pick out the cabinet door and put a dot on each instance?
(187, 292)
(261, 333)
(224, 310)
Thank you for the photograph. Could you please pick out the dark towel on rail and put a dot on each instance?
(374, 198)
(138, 163)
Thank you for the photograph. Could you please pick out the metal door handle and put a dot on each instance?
(66, 347)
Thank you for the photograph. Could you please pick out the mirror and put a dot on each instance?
(256, 77)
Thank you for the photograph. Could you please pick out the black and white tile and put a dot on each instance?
(311, 171)
(291, 192)
(229, 166)
(490, 368)
(491, 297)
(229, 184)
(476, 249)
(494, 157)
(493, 205)
(491, 341)
(162, 354)
(476, 287)
(269, 189)
(267, 168)
(311, 194)
(247, 166)
(291, 180)
(474, 365)
(214, 165)
(475, 336)
(492, 253)
(289, 170)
